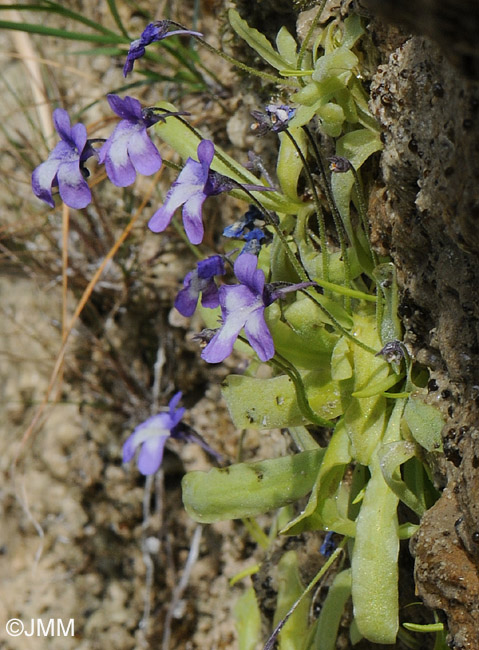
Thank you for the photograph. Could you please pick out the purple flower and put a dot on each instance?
(156, 31)
(152, 435)
(200, 281)
(195, 183)
(254, 240)
(246, 229)
(276, 119)
(129, 149)
(64, 166)
(328, 545)
(247, 222)
(242, 305)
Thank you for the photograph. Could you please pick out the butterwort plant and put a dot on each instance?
(318, 313)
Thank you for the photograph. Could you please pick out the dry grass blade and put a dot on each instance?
(24, 46)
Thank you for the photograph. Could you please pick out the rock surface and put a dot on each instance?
(425, 214)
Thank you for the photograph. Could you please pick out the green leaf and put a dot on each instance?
(287, 46)
(290, 590)
(374, 562)
(300, 335)
(332, 118)
(377, 387)
(289, 165)
(424, 629)
(391, 457)
(270, 403)
(335, 460)
(249, 489)
(332, 611)
(365, 417)
(116, 17)
(248, 620)
(303, 440)
(257, 41)
(55, 8)
(341, 360)
(425, 423)
(44, 30)
(337, 64)
(385, 276)
(353, 30)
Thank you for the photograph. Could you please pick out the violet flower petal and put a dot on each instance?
(211, 266)
(151, 454)
(63, 166)
(176, 416)
(193, 218)
(259, 336)
(43, 178)
(187, 190)
(187, 299)
(247, 273)
(206, 152)
(210, 296)
(151, 436)
(221, 345)
(114, 153)
(128, 108)
(73, 188)
(201, 280)
(143, 154)
(162, 217)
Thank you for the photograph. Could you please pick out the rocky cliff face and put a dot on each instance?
(425, 212)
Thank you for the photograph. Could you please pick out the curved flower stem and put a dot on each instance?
(283, 364)
(239, 64)
(338, 326)
(345, 291)
(333, 207)
(363, 212)
(317, 205)
(277, 228)
(218, 154)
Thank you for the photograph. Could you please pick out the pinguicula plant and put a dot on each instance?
(313, 301)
